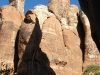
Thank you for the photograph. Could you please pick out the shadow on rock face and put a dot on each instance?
(92, 10)
(34, 61)
(81, 36)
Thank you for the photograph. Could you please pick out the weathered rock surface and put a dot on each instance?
(74, 53)
(25, 33)
(42, 13)
(92, 10)
(51, 39)
(66, 13)
(9, 26)
(19, 5)
(92, 55)
(25, 42)
(72, 16)
(52, 44)
(37, 62)
(6, 14)
(60, 9)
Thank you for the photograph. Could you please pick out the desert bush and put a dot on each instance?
(98, 73)
(92, 69)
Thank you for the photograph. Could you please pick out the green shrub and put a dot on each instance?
(92, 68)
(98, 73)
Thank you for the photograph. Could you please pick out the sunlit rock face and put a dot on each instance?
(9, 26)
(55, 39)
(72, 16)
(42, 13)
(60, 9)
(19, 5)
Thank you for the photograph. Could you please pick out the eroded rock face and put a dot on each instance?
(56, 47)
(25, 33)
(60, 9)
(25, 45)
(92, 55)
(52, 44)
(74, 53)
(19, 5)
(91, 9)
(72, 16)
(49, 42)
(42, 13)
(7, 15)
(9, 26)
(32, 60)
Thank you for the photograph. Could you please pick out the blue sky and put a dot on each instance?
(31, 3)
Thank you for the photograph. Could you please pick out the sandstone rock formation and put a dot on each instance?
(30, 35)
(52, 44)
(72, 43)
(25, 33)
(51, 40)
(92, 55)
(91, 9)
(72, 16)
(19, 5)
(9, 27)
(60, 9)
(74, 53)
(42, 13)
(66, 13)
